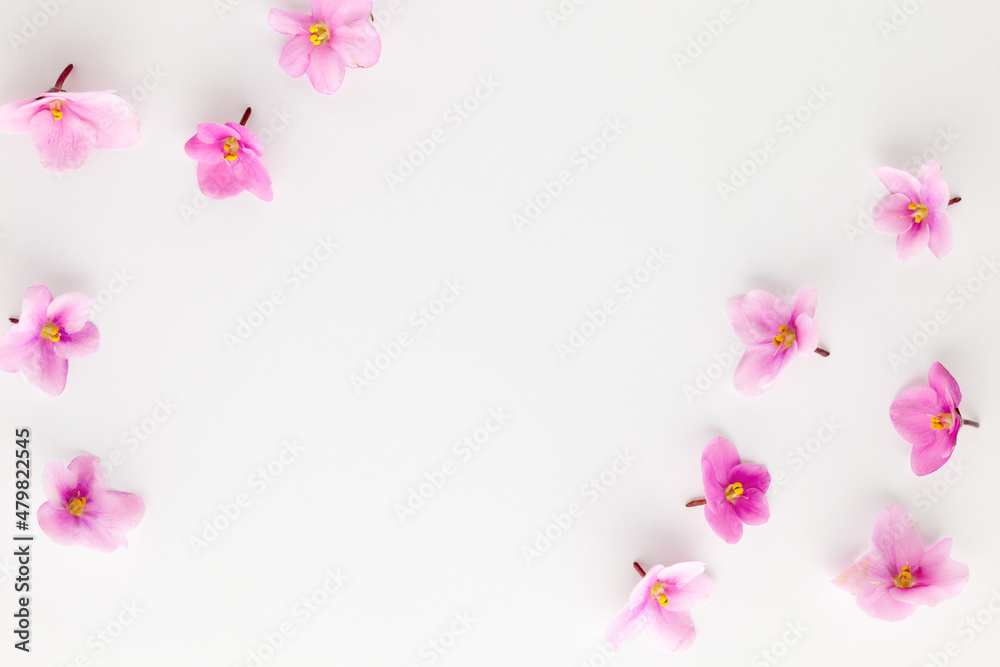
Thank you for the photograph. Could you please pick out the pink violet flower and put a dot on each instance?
(928, 418)
(49, 333)
(80, 510)
(336, 35)
(734, 491)
(774, 333)
(661, 604)
(915, 210)
(898, 573)
(66, 127)
(229, 160)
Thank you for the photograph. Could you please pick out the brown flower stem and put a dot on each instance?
(696, 503)
(13, 320)
(969, 422)
(821, 352)
(954, 200)
(246, 117)
(58, 88)
(638, 568)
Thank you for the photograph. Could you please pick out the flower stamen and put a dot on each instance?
(921, 212)
(56, 109)
(51, 332)
(656, 592)
(905, 578)
(318, 34)
(76, 506)
(230, 148)
(942, 421)
(734, 491)
(786, 336)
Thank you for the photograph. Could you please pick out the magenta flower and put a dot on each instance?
(229, 160)
(774, 332)
(898, 573)
(915, 210)
(81, 511)
(928, 418)
(337, 35)
(66, 127)
(49, 333)
(661, 603)
(734, 491)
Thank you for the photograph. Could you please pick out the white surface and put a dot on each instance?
(495, 347)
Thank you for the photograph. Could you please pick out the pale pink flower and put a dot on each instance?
(734, 491)
(661, 604)
(928, 418)
(48, 334)
(915, 210)
(80, 510)
(66, 127)
(229, 160)
(898, 573)
(336, 35)
(774, 332)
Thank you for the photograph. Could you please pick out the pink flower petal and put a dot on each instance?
(899, 182)
(724, 522)
(911, 242)
(290, 23)
(717, 460)
(671, 631)
(752, 508)
(861, 577)
(56, 522)
(35, 305)
(925, 459)
(756, 316)
(892, 215)
(944, 385)
(213, 133)
(934, 193)
(80, 344)
(46, 371)
(629, 622)
(806, 335)
(89, 476)
(751, 476)
(94, 535)
(804, 302)
(59, 483)
(210, 153)
(678, 575)
(326, 70)
(878, 603)
(759, 368)
(694, 593)
(64, 144)
(69, 311)
(16, 116)
(115, 122)
(939, 231)
(895, 541)
(248, 140)
(357, 43)
(254, 177)
(911, 414)
(940, 571)
(220, 180)
(333, 12)
(295, 56)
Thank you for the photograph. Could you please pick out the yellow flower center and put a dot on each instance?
(920, 212)
(51, 332)
(230, 148)
(76, 506)
(734, 491)
(318, 34)
(941, 422)
(56, 109)
(905, 578)
(656, 592)
(786, 337)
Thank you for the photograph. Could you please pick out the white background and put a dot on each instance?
(195, 270)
